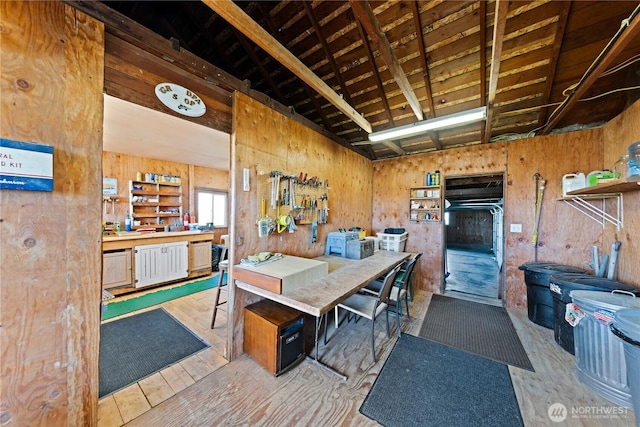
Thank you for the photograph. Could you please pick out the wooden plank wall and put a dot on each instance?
(52, 62)
(470, 226)
(123, 167)
(132, 74)
(619, 133)
(392, 180)
(263, 138)
(566, 235)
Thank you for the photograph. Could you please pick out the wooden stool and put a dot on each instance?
(222, 267)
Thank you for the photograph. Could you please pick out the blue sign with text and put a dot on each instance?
(25, 166)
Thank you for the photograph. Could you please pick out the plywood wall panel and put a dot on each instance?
(565, 235)
(124, 167)
(51, 57)
(474, 160)
(132, 74)
(264, 140)
(619, 133)
(391, 184)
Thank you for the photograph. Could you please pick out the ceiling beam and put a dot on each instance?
(620, 40)
(394, 147)
(563, 17)
(374, 69)
(274, 30)
(483, 61)
(327, 52)
(240, 20)
(425, 66)
(499, 25)
(248, 48)
(364, 13)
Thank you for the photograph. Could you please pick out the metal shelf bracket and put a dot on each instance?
(587, 205)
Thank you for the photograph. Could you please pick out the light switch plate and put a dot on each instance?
(245, 179)
(516, 228)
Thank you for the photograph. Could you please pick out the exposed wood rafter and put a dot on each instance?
(364, 13)
(240, 20)
(624, 35)
(483, 61)
(499, 25)
(248, 48)
(374, 69)
(325, 47)
(553, 66)
(425, 66)
(274, 30)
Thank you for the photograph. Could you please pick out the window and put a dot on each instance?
(211, 206)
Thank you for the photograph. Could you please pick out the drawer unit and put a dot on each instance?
(273, 336)
(282, 275)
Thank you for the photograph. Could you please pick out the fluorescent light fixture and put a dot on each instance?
(455, 119)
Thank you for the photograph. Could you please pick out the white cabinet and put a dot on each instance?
(199, 258)
(161, 263)
(116, 268)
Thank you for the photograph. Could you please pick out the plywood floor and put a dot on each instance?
(205, 390)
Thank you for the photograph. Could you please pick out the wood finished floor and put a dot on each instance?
(206, 390)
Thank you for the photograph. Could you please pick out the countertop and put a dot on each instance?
(136, 235)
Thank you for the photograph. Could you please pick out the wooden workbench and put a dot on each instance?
(345, 278)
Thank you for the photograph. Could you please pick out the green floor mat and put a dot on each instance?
(118, 308)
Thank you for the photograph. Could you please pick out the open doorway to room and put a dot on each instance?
(474, 237)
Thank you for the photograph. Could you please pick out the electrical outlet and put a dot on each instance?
(516, 228)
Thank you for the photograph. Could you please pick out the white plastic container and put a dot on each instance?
(600, 361)
(572, 182)
(392, 242)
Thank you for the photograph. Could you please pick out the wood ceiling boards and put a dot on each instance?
(386, 63)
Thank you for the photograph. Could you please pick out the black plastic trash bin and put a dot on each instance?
(216, 253)
(560, 287)
(539, 300)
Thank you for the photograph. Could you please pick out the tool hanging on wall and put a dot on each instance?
(109, 199)
(265, 224)
(275, 187)
(540, 182)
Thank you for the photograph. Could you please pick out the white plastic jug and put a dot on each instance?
(572, 182)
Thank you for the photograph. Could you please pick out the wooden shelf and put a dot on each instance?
(583, 200)
(168, 184)
(425, 201)
(165, 196)
(607, 188)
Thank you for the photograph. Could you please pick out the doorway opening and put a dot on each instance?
(474, 237)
